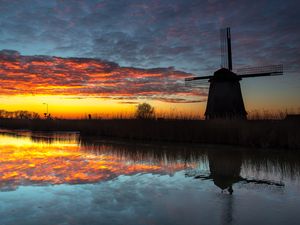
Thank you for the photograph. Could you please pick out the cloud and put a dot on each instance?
(88, 77)
(151, 34)
(154, 33)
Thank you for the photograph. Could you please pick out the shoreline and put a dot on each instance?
(274, 134)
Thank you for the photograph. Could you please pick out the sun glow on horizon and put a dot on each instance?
(79, 107)
(64, 106)
(78, 87)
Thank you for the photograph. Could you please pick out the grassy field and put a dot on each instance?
(283, 134)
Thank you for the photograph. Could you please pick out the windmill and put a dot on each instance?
(225, 97)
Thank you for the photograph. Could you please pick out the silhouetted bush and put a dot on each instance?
(144, 111)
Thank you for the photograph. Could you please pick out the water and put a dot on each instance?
(60, 178)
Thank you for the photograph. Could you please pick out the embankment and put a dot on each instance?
(283, 134)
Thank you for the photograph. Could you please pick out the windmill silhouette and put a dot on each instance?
(225, 97)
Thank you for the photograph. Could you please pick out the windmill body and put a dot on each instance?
(225, 99)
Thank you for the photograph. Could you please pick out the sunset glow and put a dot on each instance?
(105, 57)
(74, 87)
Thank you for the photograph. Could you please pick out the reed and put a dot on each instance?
(284, 134)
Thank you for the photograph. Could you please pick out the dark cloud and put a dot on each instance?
(154, 33)
(129, 102)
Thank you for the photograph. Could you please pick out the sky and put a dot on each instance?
(104, 57)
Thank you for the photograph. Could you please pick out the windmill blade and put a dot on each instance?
(261, 71)
(226, 53)
(197, 84)
(267, 182)
(260, 75)
(223, 46)
(197, 78)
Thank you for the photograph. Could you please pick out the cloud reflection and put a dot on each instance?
(27, 162)
(62, 158)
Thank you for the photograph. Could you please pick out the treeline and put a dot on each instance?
(19, 114)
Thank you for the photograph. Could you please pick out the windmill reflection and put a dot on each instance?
(227, 210)
(225, 168)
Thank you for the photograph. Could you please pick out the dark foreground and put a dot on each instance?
(283, 134)
(62, 178)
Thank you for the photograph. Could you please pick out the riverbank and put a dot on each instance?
(284, 134)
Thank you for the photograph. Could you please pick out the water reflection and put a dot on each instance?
(119, 182)
(57, 158)
(34, 160)
(225, 169)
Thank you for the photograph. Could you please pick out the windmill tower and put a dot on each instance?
(225, 97)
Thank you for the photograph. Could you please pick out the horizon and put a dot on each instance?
(142, 54)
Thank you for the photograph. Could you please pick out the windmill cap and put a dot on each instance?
(224, 74)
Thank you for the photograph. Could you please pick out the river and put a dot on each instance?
(62, 178)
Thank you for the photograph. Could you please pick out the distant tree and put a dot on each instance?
(35, 116)
(2, 113)
(21, 114)
(144, 111)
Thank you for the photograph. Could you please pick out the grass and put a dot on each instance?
(283, 134)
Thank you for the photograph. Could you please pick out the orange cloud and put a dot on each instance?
(90, 77)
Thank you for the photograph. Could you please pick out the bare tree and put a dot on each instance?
(144, 111)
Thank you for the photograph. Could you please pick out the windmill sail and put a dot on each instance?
(198, 78)
(224, 61)
(226, 53)
(260, 71)
(224, 96)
